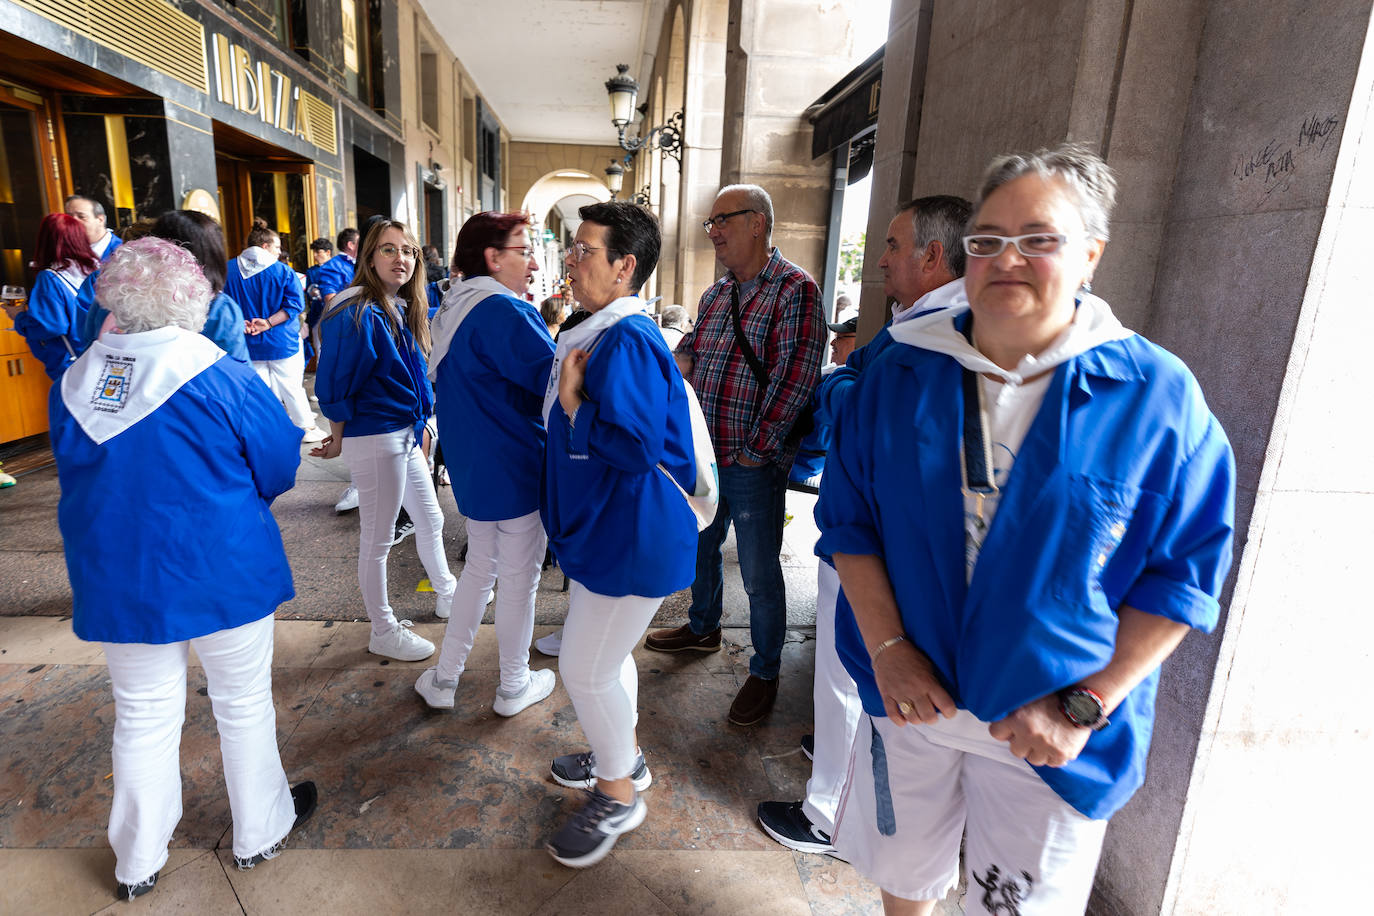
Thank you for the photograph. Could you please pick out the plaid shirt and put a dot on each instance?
(783, 323)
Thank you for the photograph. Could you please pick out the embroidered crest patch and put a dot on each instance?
(112, 388)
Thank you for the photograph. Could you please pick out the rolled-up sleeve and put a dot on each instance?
(845, 511)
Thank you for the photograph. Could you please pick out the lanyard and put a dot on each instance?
(975, 459)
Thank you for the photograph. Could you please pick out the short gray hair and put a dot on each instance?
(941, 218)
(96, 208)
(1084, 171)
(758, 200)
(152, 283)
(674, 316)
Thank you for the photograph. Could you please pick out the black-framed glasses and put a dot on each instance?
(1031, 245)
(390, 251)
(526, 251)
(578, 251)
(718, 222)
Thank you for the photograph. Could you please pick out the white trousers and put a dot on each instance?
(149, 683)
(599, 673)
(285, 378)
(390, 471)
(915, 791)
(837, 710)
(512, 551)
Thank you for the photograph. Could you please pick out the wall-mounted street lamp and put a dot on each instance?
(615, 178)
(624, 91)
(641, 197)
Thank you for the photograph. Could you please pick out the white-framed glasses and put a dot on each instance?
(578, 251)
(1031, 245)
(390, 251)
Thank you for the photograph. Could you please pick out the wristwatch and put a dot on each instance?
(1083, 708)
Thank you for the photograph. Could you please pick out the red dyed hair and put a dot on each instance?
(485, 230)
(62, 239)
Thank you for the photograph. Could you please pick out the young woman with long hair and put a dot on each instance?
(372, 386)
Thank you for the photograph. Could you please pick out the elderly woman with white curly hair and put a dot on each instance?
(169, 456)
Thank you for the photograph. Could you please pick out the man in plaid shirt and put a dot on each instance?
(779, 314)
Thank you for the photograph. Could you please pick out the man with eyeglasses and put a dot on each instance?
(754, 359)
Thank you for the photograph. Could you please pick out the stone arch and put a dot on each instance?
(543, 197)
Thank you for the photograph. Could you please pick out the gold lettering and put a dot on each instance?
(281, 96)
(873, 96)
(248, 97)
(302, 119)
(224, 76)
(265, 109)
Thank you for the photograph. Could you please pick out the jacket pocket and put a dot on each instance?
(1098, 518)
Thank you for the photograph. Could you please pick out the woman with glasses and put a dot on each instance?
(372, 386)
(1029, 506)
(490, 365)
(619, 462)
(50, 320)
(268, 291)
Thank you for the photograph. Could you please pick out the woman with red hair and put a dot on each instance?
(50, 321)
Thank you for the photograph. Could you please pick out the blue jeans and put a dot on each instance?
(753, 498)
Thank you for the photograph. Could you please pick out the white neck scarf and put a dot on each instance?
(123, 378)
(583, 337)
(459, 301)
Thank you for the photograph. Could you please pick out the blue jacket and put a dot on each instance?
(489, 394)
(1122, 492)
(335, 275)
(167, 526)
(223, 322)
(52, 321)
(270, 290)
(615, 522)
(366, 377)
(810, 460)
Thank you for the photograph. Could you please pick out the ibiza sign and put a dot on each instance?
(257, 88)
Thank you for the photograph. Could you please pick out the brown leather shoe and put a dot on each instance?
(682, 639)
(754, 701)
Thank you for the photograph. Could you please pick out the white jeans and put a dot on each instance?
(598, 670)
(837, 710)
(390, 471)
(511, 550)
(285, 378)
(149, 683)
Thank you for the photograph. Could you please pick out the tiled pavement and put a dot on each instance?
(420, 811)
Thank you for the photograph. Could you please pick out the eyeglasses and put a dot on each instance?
(526, 251)
(718, 222)
(1033, 245)
(390, 251)
(579, 251)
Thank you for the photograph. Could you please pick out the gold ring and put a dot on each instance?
(906, 708)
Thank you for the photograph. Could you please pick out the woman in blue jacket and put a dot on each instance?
(270, 294)
(169, 456)
(1029, 506)
(490, 367)
(618, 461)
(202, 236)
(372, 386)
(50, 320)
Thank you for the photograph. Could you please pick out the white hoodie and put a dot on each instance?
(1012, 403)
(459, 301)
(255, 260)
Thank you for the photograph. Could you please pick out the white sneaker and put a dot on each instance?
(551, 644)
(402, 644)
(443, 607)
(540, 685)
(434, 693)
(348, 502)
(314, 434)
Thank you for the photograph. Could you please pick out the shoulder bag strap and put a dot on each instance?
(759, 372)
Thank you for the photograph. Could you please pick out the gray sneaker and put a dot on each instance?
(590, 834)
(578, 771)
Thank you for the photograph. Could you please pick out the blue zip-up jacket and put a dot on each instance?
(264, 292)
(489, 395)
(1122, 492)
(368, 378)
(615, 522)
(168, 529)
(335, 275)
(51, 321)
(223, 321)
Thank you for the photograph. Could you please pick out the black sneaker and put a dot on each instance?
(785, 822)
(808, 743)
(304, 797)
(137, 889)
(578, 771)
(590, 834)
(404, 528)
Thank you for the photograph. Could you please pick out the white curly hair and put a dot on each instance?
(152, 283)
